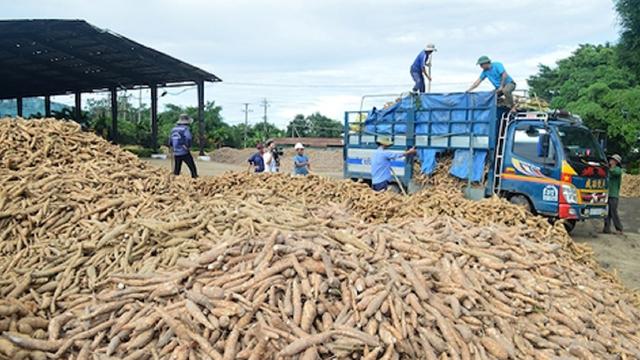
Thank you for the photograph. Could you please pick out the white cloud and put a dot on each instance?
(324, 47)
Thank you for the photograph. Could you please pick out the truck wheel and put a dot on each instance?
(569, 225)
(521, 200)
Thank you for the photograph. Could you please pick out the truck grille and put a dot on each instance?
(593, 198)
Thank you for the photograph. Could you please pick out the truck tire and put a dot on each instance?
(521, 200)
(569, 225)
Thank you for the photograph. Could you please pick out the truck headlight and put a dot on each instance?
(570, 194)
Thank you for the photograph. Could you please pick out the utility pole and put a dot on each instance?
(246, 122)
(265, 105)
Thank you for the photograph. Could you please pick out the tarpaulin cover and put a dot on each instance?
(440, 114)
(460, 164)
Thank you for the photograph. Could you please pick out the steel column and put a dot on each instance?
(78, 109)
(154, 117)
(47, 106)
(114, 115)
(201, 115)
(19, 107)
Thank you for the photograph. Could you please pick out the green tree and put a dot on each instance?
(592, 83)
(629, 18)
(314, 125)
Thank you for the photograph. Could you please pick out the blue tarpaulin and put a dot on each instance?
(440, 114)
(460, 164)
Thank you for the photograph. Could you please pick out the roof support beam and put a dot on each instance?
(114, 115)
(19, 106)
(47, 106)
(154, 117)
(201, 115)
(78, 110)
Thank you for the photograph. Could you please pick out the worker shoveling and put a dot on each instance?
(104, 256)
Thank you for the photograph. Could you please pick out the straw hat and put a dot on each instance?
(184, 119)
(384, 140)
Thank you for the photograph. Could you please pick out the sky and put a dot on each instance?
(304, 56)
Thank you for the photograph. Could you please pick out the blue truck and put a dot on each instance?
(547, 161)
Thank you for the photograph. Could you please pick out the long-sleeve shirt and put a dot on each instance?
(420, 62)
(615, 179)
(381, 165)
(181, 140)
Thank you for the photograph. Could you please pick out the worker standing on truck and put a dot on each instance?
(420, 66)
(615, 179)
(180, 140)
(498, 76)
(381, 173)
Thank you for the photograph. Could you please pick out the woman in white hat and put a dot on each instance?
(301, 164)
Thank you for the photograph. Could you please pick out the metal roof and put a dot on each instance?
(55, 57)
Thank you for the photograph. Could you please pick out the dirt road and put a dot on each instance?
(211, 168)
(616, 253)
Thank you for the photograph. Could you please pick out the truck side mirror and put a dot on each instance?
(544, 141)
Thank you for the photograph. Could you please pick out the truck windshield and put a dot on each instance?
(579, 145)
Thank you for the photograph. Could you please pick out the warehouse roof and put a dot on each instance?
(55, 57)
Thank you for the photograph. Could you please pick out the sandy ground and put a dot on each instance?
(619, 253)
(211, 168)
(614, 252)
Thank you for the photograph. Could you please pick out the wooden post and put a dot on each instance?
(78, 112)
(201, 115)
(47, 106)
(114, 115)
(19, 106)
(154, 117)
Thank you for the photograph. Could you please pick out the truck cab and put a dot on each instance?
(554, 166)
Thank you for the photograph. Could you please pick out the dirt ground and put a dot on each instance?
(614, 252)
(619, 253)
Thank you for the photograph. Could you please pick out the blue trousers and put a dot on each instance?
(419, 81)
(380, 186)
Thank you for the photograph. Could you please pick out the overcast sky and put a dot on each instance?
(305, 56)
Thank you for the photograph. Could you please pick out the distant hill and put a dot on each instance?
(30, 106)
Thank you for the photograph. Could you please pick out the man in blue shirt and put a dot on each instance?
(498, 76)
(256, 160)
(301, 164)
(381, 174)
(180, 141)
(419, 67)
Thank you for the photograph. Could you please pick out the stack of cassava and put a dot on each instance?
(103, 257)
(630, 186)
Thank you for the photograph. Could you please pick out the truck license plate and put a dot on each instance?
(596, 211)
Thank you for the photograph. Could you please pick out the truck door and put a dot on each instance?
(531, 167)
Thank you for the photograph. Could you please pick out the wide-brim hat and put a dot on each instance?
(384, 140)
(483, 60)
(617, 158)
(185, 119)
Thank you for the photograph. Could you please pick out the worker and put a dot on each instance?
(615, 179)
(270, 157)
(180, 140)
(498, 76)
(381, 172)
(257, 160)
(301, 165)
(420, 66)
